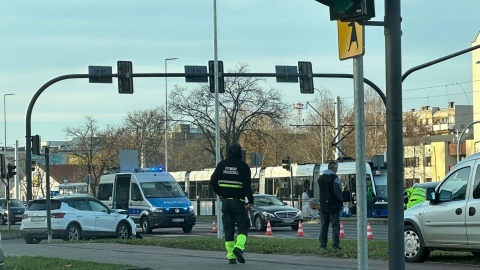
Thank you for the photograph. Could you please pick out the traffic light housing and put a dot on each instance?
(33, 165)
(221, 79)
(125, 82)
(306, 83)
(350, 10)
(36, 145)
(286, 163)
(12, 170)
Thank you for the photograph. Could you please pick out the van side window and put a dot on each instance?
(455, 186)
(105, 192)
(135, 193)
(476, 184)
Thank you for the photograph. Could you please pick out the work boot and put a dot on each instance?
(239, 253)
(232, 261)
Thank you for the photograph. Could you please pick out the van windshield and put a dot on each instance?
(162, 190)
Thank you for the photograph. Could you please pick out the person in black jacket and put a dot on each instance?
(231, 180)
(330, 205)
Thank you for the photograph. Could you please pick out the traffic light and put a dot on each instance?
(221, 79)
(350, 10)
(12, 170)
(306, 83)
(33, 165)
(125, 82)
(286, 163)
(36, 145)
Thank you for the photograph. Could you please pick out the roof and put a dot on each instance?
(72, 173)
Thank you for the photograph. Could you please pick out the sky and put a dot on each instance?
(42, 40)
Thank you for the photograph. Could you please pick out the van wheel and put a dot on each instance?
(146, 225)
(259, 224)
(73, 233)
(30, 240)
(123, 231)
(187, 229)
(415, 250)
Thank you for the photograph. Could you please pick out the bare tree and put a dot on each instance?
(88, 149)
(243, 101)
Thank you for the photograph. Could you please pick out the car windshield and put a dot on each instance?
(162, 190)
(16, 203)
(267, 200)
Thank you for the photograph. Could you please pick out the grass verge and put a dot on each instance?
(39, 262)
(377, 250)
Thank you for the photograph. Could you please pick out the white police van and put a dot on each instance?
(152, 197)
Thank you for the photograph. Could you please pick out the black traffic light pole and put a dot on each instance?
(28, 122)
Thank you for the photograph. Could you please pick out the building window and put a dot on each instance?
(411, 162)
(427, 161)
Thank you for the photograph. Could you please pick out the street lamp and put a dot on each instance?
(465, 130)
(5, 124)
(7, 192)
(166, 114)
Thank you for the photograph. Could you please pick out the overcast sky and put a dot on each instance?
(41, 40)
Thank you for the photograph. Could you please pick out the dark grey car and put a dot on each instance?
(17, 208)
(269, 208)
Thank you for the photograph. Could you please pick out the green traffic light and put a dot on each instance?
(342, 5)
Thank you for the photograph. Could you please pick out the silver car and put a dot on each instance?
(448, 218)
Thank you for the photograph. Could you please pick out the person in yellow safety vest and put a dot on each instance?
(417, 196)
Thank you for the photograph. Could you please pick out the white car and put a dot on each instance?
(74, 217)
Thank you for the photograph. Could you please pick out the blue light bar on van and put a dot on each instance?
(151, 169)
(156, 169)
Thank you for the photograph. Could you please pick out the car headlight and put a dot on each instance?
(267, 214)
(190, 208)
(299, 214)
(156, 209)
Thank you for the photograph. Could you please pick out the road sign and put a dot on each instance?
(287, 74)
(350, 40)
(100, 71)
(191, 74)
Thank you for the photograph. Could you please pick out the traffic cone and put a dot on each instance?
(269, 229)
(369, 231)
(214, 227)
(300, 229)
(342, 232)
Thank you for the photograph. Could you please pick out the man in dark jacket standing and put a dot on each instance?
(231, 180)
(330, 205)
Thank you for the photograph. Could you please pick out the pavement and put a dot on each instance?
(149, 257)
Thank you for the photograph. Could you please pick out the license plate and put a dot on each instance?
(177, 219)
(287, 220)
(38, 219)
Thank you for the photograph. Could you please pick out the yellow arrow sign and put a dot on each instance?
(350, 40)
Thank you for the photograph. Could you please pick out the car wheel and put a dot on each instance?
(295, 227)
(415, 250)
(30, 240)
(476, 254)
(73, 233)
(187, 229)
(146, 225)
(123, 231)
(4, 220)
(259, 224)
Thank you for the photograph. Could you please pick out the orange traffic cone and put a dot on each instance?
(300, 229)
(214, 227)
(369, 231)
(269, 229)
(342, 232)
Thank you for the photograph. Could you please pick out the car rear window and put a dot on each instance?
(42, 205)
